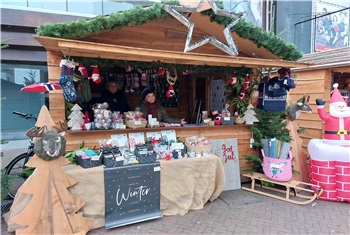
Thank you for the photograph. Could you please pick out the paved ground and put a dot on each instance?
(243, 212)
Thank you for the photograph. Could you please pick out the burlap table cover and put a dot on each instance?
(186, 184)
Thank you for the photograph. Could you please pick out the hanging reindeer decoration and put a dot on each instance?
(294, 110)
(51, 143)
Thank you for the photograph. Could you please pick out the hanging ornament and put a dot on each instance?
(230, 48)
(246, 82)
(233, 79)
(82, 69)
(171, 80)
(242, 95)
(96, 77)
(161, 71)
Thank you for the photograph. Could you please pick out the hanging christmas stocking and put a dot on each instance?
(144, 79)
(66, 81)
(135, 82)
(120, 80)
(128, 83)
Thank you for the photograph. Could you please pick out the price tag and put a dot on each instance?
(157, 168)
(120, 158)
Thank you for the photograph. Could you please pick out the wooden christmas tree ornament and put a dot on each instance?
(52, 209)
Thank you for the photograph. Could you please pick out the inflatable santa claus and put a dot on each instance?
(330, 157)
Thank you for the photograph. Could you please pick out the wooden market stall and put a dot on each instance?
(151, 34)
(327, 68)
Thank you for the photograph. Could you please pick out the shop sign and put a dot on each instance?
(132, 194)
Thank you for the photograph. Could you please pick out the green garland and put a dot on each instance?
(110, 63)
(138, 16)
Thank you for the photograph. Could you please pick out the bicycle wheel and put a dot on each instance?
(14, 176)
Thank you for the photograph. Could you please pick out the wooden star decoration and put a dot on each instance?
(231, 47)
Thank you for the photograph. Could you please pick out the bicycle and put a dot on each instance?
(16, 167)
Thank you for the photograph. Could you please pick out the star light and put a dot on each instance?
(230, 48)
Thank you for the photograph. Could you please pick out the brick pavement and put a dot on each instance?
(242, 212)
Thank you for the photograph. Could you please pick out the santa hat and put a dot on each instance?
(95, 77)
(83, 70)
(336, 98)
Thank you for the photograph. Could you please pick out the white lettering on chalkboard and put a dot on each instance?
(136, 192)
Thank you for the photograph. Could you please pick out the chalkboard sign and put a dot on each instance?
(132, 194)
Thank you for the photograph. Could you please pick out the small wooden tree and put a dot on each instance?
(76, 118)
(52, 209)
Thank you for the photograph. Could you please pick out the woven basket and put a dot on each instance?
(198, 149)
(131, 124)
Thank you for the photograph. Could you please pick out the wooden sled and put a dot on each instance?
(305, 192)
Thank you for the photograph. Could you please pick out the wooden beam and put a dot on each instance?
(106, 51)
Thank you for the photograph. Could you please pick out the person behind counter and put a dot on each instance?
(115, 97)
(149, 105)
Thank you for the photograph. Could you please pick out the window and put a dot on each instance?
(13, 78)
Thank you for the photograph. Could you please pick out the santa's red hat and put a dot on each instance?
(336, 98)
(95, 77)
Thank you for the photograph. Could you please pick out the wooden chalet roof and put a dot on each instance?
(160, 37)
(336, 59)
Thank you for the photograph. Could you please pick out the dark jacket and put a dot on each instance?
(117, 101)
(163, 116)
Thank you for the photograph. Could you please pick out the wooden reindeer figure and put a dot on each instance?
(294, 110)
(52, 209)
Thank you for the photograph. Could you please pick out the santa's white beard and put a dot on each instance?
(335, 112)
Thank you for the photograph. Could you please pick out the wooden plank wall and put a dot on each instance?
(56, 100)
(315, 83)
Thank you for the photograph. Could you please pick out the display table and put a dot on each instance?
(186, 184)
